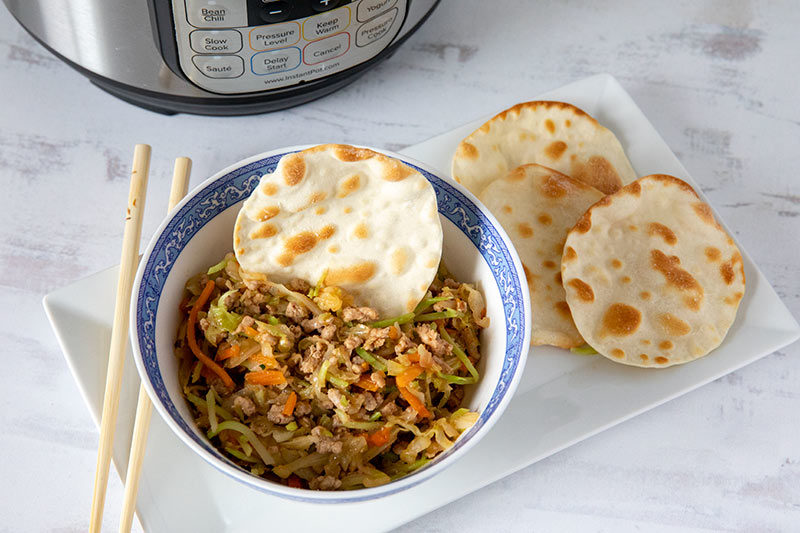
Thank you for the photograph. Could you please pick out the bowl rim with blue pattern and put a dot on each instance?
(233, 185)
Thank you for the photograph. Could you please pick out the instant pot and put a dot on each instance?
(220, 57)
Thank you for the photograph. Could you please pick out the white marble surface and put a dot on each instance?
(718, 79)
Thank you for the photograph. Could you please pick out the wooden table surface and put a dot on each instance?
(717, 78)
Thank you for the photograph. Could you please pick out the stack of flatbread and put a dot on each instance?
(638, 269)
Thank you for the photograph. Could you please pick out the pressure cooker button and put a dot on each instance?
(326, 49)
(375, 29)
(274, 36)
(323, 5)
(219, 66)
(275, 61)
(216, 41)
(276, 11)
(326, 24)
(368, 9)
(216, 13)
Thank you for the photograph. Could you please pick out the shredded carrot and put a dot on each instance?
(288, 409)
(267, 360)
(380, 437)
(413, 357)
(190, 335)
(265, 377)
(366, 384)
(250, 331)
(229, 351)
(394, 333)
(414, 402)
(295, 481)
(408, 375)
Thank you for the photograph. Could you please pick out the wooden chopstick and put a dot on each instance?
(119, 330)
(144, 408)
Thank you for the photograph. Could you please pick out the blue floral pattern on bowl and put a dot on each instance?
(236, 186)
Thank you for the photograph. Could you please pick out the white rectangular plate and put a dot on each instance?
(562, 399)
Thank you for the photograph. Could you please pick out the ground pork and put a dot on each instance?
(317, 322)
(247, 321)
(338, 399)
(276, 416)
(376, 337)
(433, 340)
(378, 379)
(390, 408)
(352, 342)
(296, 312)
(359, 314)
(299, 285)
(403, 344)
(372, 400)
(302, 408)
(245, 404)
(312, 357)
(328, 332)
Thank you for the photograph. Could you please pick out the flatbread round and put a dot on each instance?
(369, 220)
(537, 206)
(652, 279)
(554, 134)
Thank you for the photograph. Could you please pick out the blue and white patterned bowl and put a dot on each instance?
(199, 231)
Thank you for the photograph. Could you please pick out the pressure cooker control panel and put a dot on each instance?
(241, 46)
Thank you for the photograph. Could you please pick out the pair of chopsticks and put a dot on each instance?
(119, 339)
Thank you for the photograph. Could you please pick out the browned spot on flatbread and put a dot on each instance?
(673, 325)
(633, 227)
(582, 289)
(396, 171)
(361, 231)
(598, 173)
(618, 353)
(550, 126)
(528, 276)
(644, 295)
(704, 212)
(557, 278)
(548, 264)
(555, 186)
(569, 254)
(545, 219)
(326, 232)
(734, 298)
(525, 230)
(348, 185)
(616, 263)
(645, 342)
(321, 210)
(264, 231)
(518, 174)
(654, 228)
(625, 279)
(267, 213)
(351, 275)
(294, 169)
(584, 224)
(349, 154)
(568, 123)
(555, 149)
(677, 277)
(297, 245)
(467, 151)
(334, 248)
(507, 209)
(621, 320)
(398, 262)
(563, 309)
(643, 356)
(666, 345)
(712, 253)
(269, 189)
(726, 270)
(661, 360)
(348, 209)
